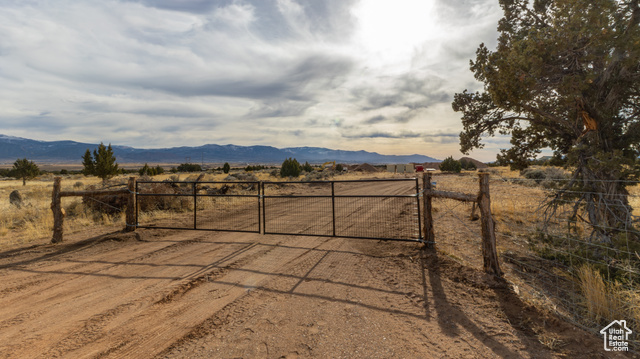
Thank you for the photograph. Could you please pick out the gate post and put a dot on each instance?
(131, 223)
(489, 251)
(58, 212)
(430, 238)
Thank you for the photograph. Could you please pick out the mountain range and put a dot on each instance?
(12, 148)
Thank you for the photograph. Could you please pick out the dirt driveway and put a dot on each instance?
(189, 294)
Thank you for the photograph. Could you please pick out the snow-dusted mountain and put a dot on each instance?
(12, 148)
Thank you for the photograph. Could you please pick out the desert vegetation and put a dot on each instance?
(552, 260)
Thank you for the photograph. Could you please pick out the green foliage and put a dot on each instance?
(189, 167)
(88, 166)
(307, 167)
(290, 168)
(102, 164)
(450, 165)
(339, 168)
(150, 171)
(25, 170)
(250, 168)
(468, 165)
(226, 168)
(564, 76)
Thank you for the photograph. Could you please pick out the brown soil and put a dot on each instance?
(195, 294)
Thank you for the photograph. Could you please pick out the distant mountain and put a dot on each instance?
(12, 148)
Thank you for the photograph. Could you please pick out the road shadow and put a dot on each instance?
(452, 318)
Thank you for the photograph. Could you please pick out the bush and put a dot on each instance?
(307, 167)
(290, 168)
(189, 167)
(339, 168)
(535, 174)
(468, 165)
(226, 168)
(148, 171)
(450, 165)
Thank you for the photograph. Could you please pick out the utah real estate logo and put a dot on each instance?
(616, 336)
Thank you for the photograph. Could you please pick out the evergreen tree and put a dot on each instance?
(24, 169)
(307, 167)
(226, 168)
(88, 164)
(103, 164)
(290, 168)
(565, 76)
(450, 165)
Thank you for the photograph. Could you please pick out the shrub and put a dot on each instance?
(290, 168)
(307, 167)
(535, 174)
(450, 165)
(147, 171)
(226, 168)
(339, 168)
(468, 165)
(189, 167)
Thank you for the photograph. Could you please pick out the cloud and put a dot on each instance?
(375, 119)
(382, 134)
(293, 72)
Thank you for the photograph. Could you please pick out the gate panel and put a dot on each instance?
(219, 206)
(377, 217)
(375, 209)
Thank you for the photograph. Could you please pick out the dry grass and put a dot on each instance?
(608, 301)
(34, 220)
(515, 207)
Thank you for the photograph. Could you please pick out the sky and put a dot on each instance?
(374, 75)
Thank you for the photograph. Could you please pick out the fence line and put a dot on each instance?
(554, 260)
(59, 213)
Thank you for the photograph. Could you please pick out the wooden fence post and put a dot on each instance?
(489, 251)
(58, 212)
(430, 237)
(131, 206)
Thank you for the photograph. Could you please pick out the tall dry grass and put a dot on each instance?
(608, 301)
(33, 221)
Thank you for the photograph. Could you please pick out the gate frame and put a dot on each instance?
(195, 197)
(333, 196)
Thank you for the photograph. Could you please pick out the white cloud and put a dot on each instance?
(284, 73)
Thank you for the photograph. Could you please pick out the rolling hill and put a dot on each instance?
(12, 148)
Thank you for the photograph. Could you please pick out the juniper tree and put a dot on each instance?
(24, 169)
(565, 75)
(102, 164)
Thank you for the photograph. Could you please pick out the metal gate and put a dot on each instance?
(387, 209)
(371, 209)
(208, 206)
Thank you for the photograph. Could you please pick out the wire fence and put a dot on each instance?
(554, 256)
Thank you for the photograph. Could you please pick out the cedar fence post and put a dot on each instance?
(489, 251)
(58, 212)
(430, 239)
(131, 206)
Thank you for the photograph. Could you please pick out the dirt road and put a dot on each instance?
(188, 294)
